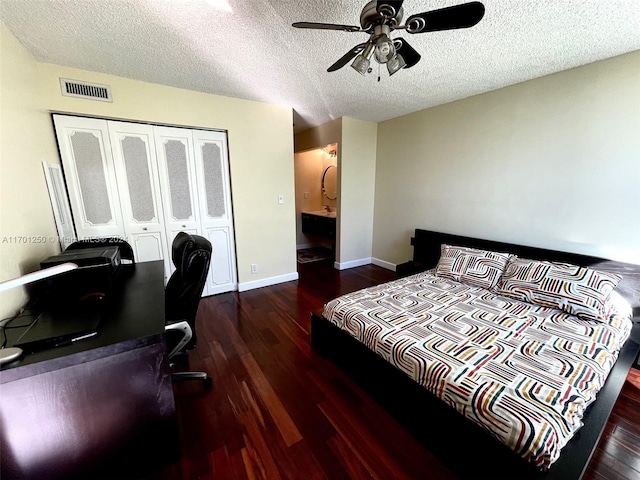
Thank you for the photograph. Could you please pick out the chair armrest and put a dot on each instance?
(185, 329)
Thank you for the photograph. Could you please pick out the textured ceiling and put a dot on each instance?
(252, 52)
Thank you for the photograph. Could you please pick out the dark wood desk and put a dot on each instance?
(101, 407)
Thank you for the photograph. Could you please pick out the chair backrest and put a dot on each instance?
(126, 252)
(191, 255)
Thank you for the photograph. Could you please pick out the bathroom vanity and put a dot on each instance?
(320, 223)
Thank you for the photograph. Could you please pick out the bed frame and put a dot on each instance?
(466, 449)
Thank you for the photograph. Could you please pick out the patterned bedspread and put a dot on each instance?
(523, 372)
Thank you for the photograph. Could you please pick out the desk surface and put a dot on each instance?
(100, 408)
(135, 313)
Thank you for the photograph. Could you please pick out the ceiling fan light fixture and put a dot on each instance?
(385, 50)
(396, 64)
(361, 64)
(379, 18)
(387, 11)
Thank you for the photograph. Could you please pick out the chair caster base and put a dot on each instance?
(207, 382)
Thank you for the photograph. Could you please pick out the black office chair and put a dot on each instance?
(191, 255)
(126, 252)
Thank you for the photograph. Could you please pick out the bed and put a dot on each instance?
(515, 381)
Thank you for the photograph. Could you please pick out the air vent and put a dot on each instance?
(91, 91)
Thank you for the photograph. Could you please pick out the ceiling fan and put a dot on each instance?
(380, 17)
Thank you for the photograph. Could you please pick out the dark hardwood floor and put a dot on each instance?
(277, 410)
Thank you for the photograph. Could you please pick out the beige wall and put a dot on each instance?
(357, 174)
(27, 229)
(553, 162)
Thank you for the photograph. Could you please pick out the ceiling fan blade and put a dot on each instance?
(346, 58)
(408, 53)
(459, 16)
(327, 26)
(389, 8)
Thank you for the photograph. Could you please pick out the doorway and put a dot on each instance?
(317, 199)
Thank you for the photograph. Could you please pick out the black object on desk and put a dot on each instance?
(98, 272)
(98, 408)
(73, 303)
(55, 329)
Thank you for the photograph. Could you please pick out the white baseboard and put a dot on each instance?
(383, 264)
(352, 263)
(266, 282)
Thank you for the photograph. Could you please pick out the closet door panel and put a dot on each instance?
(88, 165)
(212, 172)
(148, 247)
(138, 184)
(174, 149)
(222, 272)
(177, 177)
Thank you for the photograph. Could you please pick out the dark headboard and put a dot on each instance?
(427, 252)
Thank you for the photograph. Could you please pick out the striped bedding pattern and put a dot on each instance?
(523, 372)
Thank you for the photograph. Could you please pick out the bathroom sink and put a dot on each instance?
(323, 213)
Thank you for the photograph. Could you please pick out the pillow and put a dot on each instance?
(578, 291)
(617, 305)
(478, 268)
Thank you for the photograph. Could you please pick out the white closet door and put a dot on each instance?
(174, 149)
(134, 156)
(147, 183)
(88, 165)
(216, 216)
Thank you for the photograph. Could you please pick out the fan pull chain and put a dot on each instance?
(378, 72)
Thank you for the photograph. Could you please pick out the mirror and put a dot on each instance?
(330, 182)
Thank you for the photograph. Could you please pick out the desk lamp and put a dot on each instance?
(12, 353)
